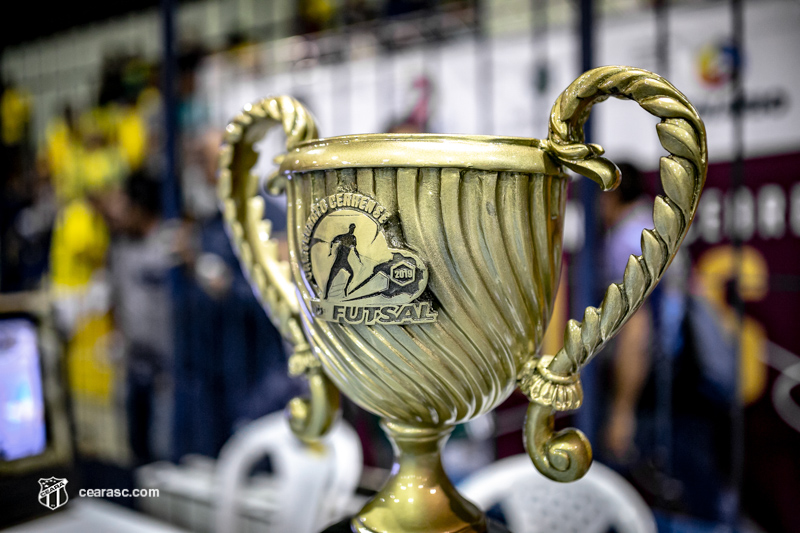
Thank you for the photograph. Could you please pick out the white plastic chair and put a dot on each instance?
(314, 483)
(531, 503)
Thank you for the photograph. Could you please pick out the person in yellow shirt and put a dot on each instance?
(15, 109)
(88, 189)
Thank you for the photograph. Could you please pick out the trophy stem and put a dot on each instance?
(419, 496)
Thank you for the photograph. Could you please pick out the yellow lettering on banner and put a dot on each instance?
(716, 268)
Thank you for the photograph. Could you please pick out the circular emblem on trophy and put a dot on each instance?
(361, 276)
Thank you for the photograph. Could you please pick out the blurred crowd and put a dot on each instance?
(135, 293)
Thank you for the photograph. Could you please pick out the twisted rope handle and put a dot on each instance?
(552, 382)
(243, 211)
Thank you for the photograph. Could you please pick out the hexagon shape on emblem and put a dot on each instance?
(403, 273)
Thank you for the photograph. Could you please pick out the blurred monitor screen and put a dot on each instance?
(22, 417)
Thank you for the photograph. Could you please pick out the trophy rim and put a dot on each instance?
(417, 150)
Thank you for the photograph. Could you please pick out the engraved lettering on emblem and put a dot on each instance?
(387, 315)
(359, 278)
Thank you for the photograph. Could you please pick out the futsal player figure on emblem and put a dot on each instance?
(345, 243)
(366, 280)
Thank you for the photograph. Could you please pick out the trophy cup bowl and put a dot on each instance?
(423, 270)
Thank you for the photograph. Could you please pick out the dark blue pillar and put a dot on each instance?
(585, 289)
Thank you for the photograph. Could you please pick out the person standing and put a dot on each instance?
(142, 305)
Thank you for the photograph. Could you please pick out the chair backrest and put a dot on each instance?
(313, 482)
(531, 503)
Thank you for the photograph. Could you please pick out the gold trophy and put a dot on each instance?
(423, 270)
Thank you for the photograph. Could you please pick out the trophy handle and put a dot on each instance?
(553, 382)
(243, 211)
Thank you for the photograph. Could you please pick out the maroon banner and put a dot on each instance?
(765, 215)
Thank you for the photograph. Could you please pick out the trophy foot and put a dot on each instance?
(419, 496)
(563, 456)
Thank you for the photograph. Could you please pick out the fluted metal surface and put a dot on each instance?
(492, 241)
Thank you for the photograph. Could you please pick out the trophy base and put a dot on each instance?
(418, 497)
(344, 527)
